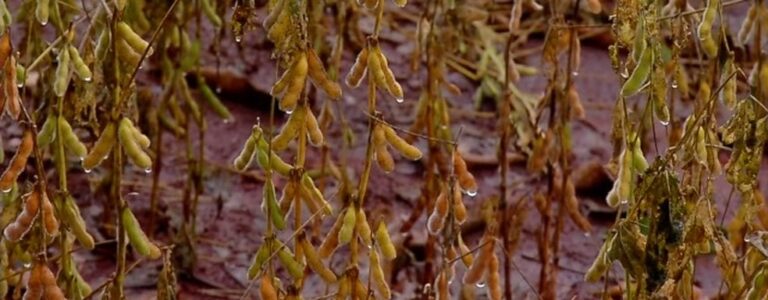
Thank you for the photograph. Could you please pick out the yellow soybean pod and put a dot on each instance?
(131, 147)
(384, 242)
(101, 148)
(407, 150)
(348, 226)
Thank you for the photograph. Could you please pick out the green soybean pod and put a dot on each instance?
(277, 163)
(21, 75)
(5, 16)
(290, 263)
(70, 140)
(134, 40)
(81, 68)
(73, 218)
(47, 133)
(385, 243)
(244, 159)
(210, 13)
(269, 205)
(137, 237)
(639, 76)
(258, 261)
(42, 11)
(214, 101)
(708, 43)
(61, 83)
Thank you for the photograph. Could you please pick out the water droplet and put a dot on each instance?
(218, 90)
(624, 201)
(471, 193)
(44, 23)
(8, 190)
(27, 265)
(288, 111)
(399, 100)
(624, 73)
(674, 84)
(82, 158)
(20, 85)
(238, 38)
(575, 73)
(148, 170)
(664, 122)
(480, 284)
(87, 170)
(87, 79)
(587, 234)
(227, 120)
(747, 238)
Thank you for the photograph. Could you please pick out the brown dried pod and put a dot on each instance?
(572, 206)
(479, 266)
(51, 224)
(437, 218)
(492, 278)
(11, 90)
(466, 179)
(23, 222)
(18, 162)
